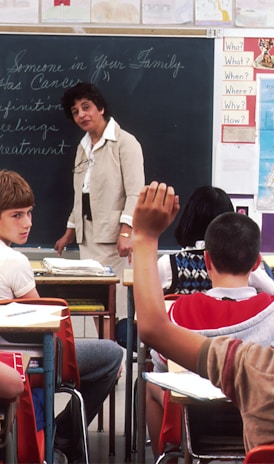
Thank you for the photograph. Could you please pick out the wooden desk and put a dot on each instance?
(87, 287)
(101, 288)
(46, 330)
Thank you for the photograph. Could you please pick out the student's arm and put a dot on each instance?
(31, 294)
(11, 384)
(156, 208)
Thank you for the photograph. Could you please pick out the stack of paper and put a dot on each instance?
(185, 383)
(73, 266)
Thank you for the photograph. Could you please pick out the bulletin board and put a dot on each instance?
(243, 107)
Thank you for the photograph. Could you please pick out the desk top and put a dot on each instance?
(50, 279)
(45, 327)
(19, 317)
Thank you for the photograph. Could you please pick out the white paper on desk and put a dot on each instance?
(73, 266)
(185, 383)
(25, 315)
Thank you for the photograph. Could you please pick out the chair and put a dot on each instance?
(258, 329)
(8, 449)
(170, 439)
(262, 454)
(220, 438)
(25, 422)
(67, 380)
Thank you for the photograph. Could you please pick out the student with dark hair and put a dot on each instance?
(185, 271)
(108, 175)
(203, 205)
(237, 368)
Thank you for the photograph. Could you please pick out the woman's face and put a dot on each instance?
(87, 116)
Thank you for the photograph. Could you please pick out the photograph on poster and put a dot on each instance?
(247, 205)
(265, 128)
(242, 210)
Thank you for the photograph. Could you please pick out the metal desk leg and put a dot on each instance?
(48, 366)
(141, 404)
(128, 401)
(112, 309)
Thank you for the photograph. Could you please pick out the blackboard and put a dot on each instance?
(158, 88)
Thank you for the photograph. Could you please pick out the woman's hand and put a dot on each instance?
(124, 247)
(67, 238)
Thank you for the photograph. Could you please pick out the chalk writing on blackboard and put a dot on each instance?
(158, 88)
(145, 60)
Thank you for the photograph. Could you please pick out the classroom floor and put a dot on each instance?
(99, 441)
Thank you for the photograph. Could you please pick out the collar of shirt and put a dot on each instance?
(3, 244)
(239, 293)
(108, 134)
(86, 144)
(199, 245)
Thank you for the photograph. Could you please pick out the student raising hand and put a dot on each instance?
(156, 209)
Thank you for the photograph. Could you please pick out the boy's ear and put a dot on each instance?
(207, 260)
(257, 263)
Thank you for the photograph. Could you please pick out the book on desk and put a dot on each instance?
(79, 304)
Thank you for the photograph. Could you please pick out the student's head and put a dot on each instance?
(16, 204)
(204, 204)
(84, 90)
(15, 192)
(233, 242)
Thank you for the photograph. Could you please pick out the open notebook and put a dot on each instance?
(185, 383)
(28, 315)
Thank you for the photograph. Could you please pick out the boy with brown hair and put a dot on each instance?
(16, 205)
(98, 360)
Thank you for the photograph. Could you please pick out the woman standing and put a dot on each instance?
(108, 176)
